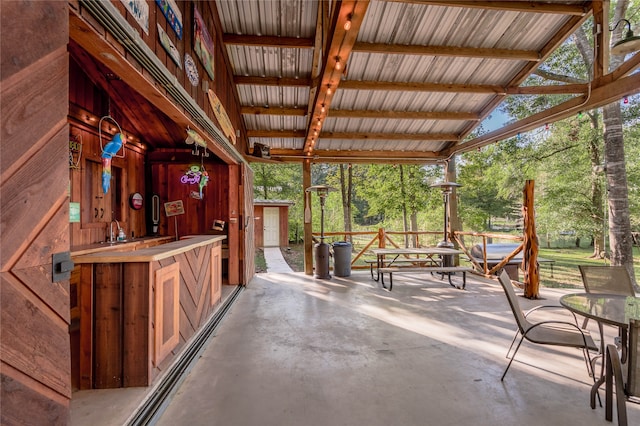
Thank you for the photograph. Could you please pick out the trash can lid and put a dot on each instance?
(342, 243)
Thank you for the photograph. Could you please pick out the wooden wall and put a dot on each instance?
(97, 208)
(34, 343)
(199, 214)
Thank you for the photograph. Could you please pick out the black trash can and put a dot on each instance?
(342, 259)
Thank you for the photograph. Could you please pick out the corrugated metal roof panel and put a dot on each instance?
(270, 61)
(270, 96)
(284, 18)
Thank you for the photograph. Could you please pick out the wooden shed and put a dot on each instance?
(272, 217)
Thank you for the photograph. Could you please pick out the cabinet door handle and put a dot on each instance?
(95, 213)
(101, 213)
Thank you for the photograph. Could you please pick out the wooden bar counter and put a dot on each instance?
(138, 308)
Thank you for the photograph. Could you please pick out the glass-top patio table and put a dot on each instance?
(612, 309)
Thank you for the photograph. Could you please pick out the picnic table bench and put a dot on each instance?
(444, 270)
(431, 263)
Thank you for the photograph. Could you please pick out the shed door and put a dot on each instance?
(271, 226)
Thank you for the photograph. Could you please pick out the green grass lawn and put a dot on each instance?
(565, 268)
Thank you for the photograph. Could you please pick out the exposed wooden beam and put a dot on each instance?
(556, 40)
(422, 87)
(390, 136)
(598, 97)
(470, 52)
(411, 115)
(267, 41)
(517, 6)
(364, 155)
(272, 81)
(558, 89)
(339, 42)
(356, 135)
(273, 111)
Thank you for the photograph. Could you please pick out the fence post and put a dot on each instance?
(381, 238)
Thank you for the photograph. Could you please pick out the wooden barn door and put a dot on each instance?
(34, 218)
(249, 226)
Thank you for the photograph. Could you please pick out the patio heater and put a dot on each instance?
(322, 248)
(447, 189)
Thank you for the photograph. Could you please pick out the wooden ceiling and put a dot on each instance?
(402, 80)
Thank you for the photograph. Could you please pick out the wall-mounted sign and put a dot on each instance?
(172, 14)
(135, 201)
(196, 175)
(168, 45)
(221, 115)
(191, 70)
(75, 151)
(203, 43)
(74, 212)
(139, 9)
(173, 208)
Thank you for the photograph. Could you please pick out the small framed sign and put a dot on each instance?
(173, 208)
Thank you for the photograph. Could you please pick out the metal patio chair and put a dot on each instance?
(550, 332)
(606, 279)
(624, 390)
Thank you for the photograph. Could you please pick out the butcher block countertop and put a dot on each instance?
(150, 254)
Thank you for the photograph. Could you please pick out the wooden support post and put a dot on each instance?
(381, 238)
(530, 245)
(308, 227)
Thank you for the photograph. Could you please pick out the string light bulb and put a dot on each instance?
(329, 89)
(338, 63)
(347, 24)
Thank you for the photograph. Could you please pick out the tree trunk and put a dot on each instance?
(620, 238)
(346, 189)
(530, 245)
(403, 194)
(596, 193)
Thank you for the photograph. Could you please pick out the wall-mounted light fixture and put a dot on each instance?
(628, 44)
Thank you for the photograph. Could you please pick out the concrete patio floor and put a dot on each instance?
(295, 350)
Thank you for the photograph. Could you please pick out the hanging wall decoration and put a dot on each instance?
(139, 9)
(196, 175)
(191, 70)
(75, 151)
(203, 43)
(168, 45)
(172, 14)
(221, 115)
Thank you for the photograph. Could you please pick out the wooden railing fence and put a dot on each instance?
(363, 241)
